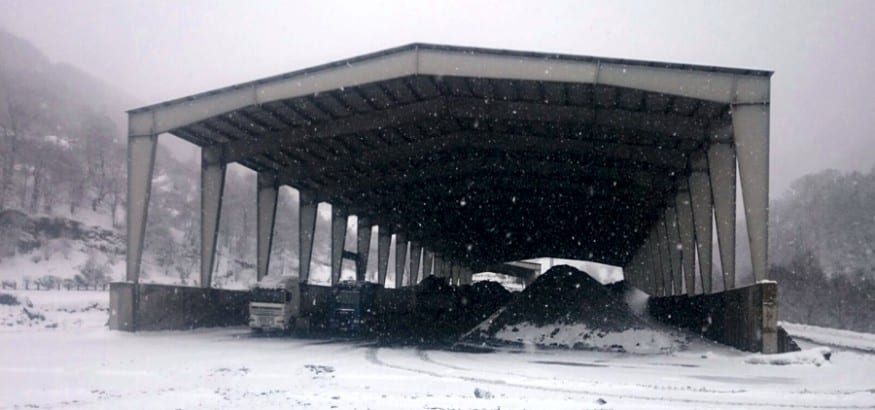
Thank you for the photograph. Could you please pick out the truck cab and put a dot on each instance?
(353, 306)
(275, 304)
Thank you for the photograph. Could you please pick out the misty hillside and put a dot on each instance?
(832, 215)
(62, 158)
(822, 250)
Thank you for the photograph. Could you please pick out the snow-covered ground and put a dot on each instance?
(70, 360)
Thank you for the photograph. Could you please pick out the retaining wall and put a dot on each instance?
(166, 307)
(745, 318)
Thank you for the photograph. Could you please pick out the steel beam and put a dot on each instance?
(338, 239)
(141, 163)
(400, 259)
(384, 242)
(266, 199)
(721, 161)
(212, 187)
(308, 207)
(750, 124)
(363, 247)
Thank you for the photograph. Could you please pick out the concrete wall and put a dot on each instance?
(745, 318)
(166, 307)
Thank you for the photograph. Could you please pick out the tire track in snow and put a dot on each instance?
(424, 356)
(371, 355)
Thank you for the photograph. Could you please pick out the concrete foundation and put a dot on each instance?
(745, 318)
(165, 307)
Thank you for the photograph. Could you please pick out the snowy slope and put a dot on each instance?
(832, 337)
(80, 364)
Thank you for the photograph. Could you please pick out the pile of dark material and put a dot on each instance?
(565, 295)
(440, 312)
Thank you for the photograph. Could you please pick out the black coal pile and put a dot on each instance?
(566, 307)
(440, 312)
(481, 300)
(566, 295)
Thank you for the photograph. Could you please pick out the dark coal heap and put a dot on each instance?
(565, 295)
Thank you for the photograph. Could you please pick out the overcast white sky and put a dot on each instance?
(822, 52)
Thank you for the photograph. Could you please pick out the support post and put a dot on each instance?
(721, 160)
(750, 124)
(688, 237)
(703, 216)
(338, 239)
(266, 198)
(674, 248)
(363, 247)
(384, 241)
(307, 230)
(415, 255)
(647, 267)
(141, 163)
(655, 272)
(438, 266)
(665, 257)
(212, 187)
(467, 275)
(427, 264)
(400, 259)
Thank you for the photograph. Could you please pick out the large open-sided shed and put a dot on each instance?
(478, 157)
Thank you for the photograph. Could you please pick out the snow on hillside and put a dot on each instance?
(81, 364)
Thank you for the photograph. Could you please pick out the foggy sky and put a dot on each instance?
(823, 53)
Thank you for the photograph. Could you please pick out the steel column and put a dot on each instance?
(400, 259)
(675, 248)
(721, 161)
(266, 199)
(338, 239)
(656, 274)
(212, 187)
(384, 242)
(703, 217)
(427, 263)
(363, 247)
(141, 163)
(415, 256)
(438, 266)
(455, 271)
(750, 124)
(688, 238)
(308, 205)
(665, 257)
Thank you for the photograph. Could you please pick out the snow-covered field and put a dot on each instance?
(70, 360)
